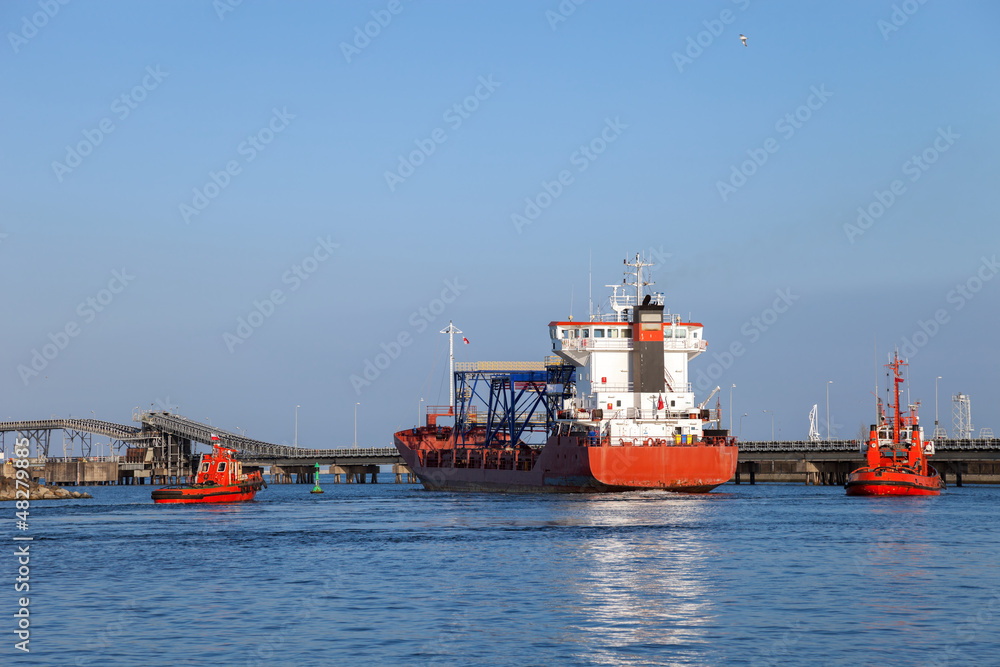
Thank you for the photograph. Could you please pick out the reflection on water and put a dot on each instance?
(644, 590)
(390, 574)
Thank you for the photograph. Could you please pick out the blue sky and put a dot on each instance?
(249, 157)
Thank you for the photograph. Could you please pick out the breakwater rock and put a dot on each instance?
(36, 491)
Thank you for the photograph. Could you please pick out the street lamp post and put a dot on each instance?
(297, 425)
(936, 406)
(741, 425)
(356, 425)
(731, 407)
(772, 423)
(828, 383)
(418, 411)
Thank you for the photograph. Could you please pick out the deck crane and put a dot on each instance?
(701, 406)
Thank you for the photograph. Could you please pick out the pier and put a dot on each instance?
(828, 462)
(160, 451)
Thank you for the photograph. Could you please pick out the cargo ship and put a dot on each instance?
(896, 452)
(612, 410)
(220, 479)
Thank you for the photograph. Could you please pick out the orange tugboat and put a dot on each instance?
(613, 411)
(220, 479)
(897, 454)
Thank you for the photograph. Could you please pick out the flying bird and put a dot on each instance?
(743, 38)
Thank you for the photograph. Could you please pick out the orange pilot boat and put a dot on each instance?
(220, 479)
(897, 453)
(613, 411)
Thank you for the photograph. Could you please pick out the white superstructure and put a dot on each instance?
(640, 393)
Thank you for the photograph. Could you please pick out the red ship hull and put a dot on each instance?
(233, 493)
(567, 464)
(892, 482)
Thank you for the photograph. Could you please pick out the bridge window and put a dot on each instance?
(586, 333)
(680, 333)
(612, 333)
(565, 333)
(627, 333)
(552, 333)
(222, 467)
(204, 466)
(598, 333)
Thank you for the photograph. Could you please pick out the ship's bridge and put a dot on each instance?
(574, 341)
(607, 355)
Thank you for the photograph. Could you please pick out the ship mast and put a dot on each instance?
(897, 379)
(639, 283)
(451, 330)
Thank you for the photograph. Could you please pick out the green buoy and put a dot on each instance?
(316, 488)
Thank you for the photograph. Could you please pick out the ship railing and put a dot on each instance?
(594, 440)
(623, 344)
(649, 413)
(87, 459)
(629, 387)
(596, 343)
(992, 444)
(608, 388)
(800, 446)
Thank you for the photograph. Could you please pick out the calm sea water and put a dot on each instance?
(391, 574)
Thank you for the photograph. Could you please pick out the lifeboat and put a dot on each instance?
(896, 453)
(220, 479)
